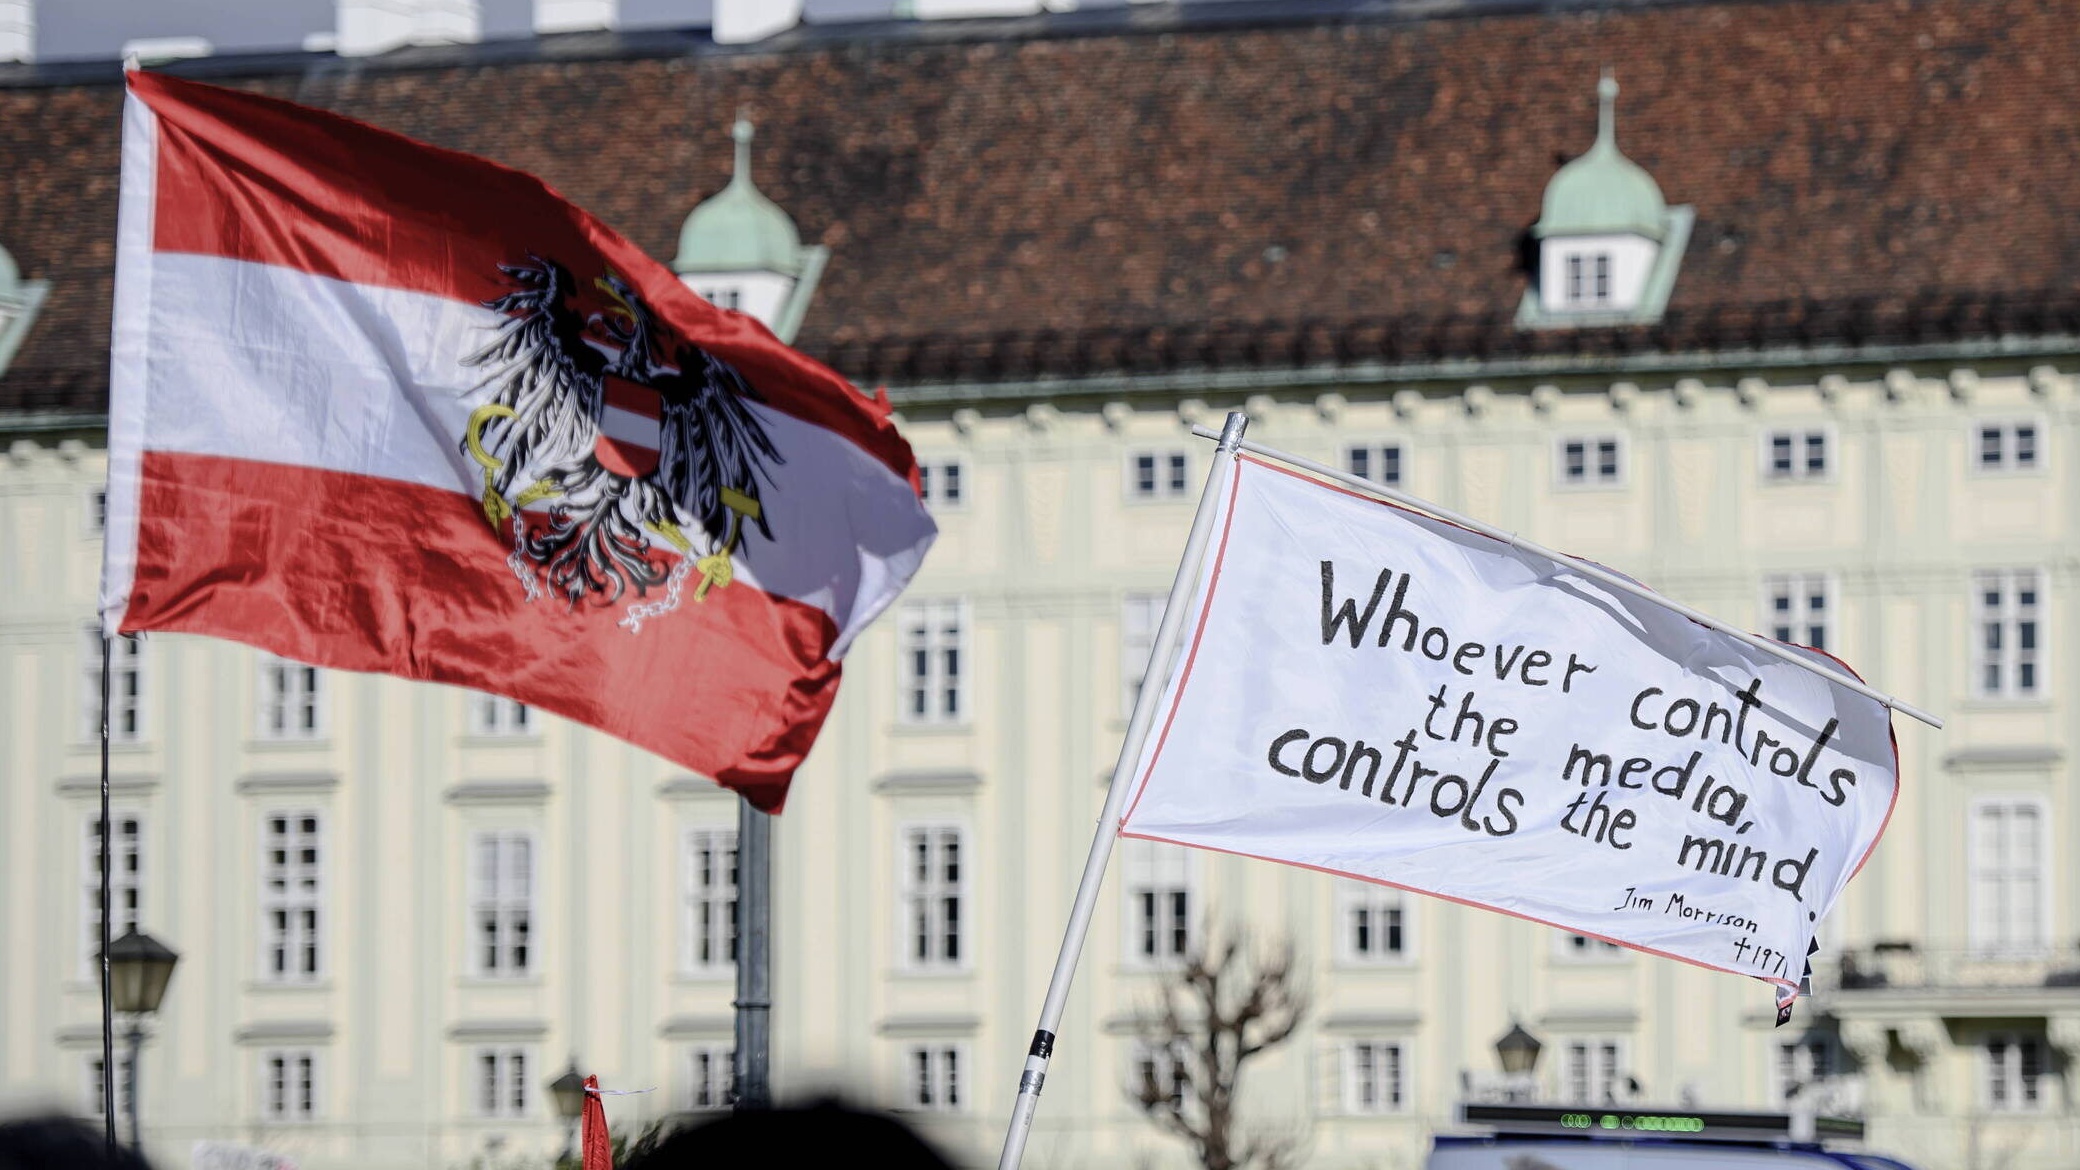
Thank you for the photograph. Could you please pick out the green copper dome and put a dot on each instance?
(1603, 192)
(739, 230)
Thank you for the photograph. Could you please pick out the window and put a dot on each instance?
(126, 856)
(1797, 608)
(711, 1077)
(289, 1085)
(502, 904)
(292, 699)
(723, 296)
(126, 685)
(931, 634)
(2007, 446)
(1158, 884)
(289, 897)
(940, 484)
(1158, 475)
(932, 1077)
(1162, 1075)
(496, 715)
(1592, 1072)
(2008, 650)
(1139, 621)
(1801, 1063)
(711, 901)
(501, 1083)
(2009, 887)
(1799, 454)
(1585, 948)
(1588, 280)
(1590, 461)
(97, 511)
(1375, 1077)
(2014, 1074)
(933, 892)
(91, 1076)
(1373, 923)
(1378, 462)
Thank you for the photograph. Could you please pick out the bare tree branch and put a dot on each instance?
(1224, 1005)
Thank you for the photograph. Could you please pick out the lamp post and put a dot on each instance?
(139, 968)
(1518, 1051)
(568, 1091)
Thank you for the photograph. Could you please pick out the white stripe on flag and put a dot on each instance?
(626, 426)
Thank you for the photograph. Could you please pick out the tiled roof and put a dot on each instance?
(1013, 199)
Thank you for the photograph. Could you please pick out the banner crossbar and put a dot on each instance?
(1585, 568)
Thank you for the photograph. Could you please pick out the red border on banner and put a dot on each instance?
(1184, 680)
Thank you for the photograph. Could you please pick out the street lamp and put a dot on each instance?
(568, 1091)
(1518, 1050)
(139, 968)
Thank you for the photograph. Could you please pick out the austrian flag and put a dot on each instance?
(380, 406)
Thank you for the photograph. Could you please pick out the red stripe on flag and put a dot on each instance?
(633, 398)
(371, 574)
(255, 178)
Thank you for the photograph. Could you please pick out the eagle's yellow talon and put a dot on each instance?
(670, 531)
(496, 510)
(716, 570)
(542, 489)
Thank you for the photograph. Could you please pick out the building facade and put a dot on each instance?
(1836, 405)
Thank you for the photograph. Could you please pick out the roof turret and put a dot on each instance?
(1603, 192)
(739, 229)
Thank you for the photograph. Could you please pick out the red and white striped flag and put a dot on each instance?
(385, 407)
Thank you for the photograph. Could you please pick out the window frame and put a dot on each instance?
(2009, 426)
(935, 889)
(1799, 593)
(2011, 1076)
(1151, 856)
(320, 885)
(1597, 951)
(1136, 645)
(498, 717)
(1591, 441)
(941, 1058)
(1396, 1097)
(931, 487)
(1147, 1060)
(696, 893)
(1593, 1045)
(1168, 488)
(129, 656)
(318, 696)
(1375, 451)
(719, 1055)
(90, 1075)
(1823, 1060)
(1800, 436)
(2007, 658)
(312, 1087)
(503, 906)
(1353, 895)
(506, 1082)
(935, 681)
(90, 875)
(1985, 925)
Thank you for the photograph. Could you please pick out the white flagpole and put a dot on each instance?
(1593, 571)
(1167, 636)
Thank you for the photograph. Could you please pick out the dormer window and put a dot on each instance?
(19, 301)
(1608, 244)
(739, 251)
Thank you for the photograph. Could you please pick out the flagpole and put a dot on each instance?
(751, 1064)
(1585, 568)
(108, 1014)
(1167, 637)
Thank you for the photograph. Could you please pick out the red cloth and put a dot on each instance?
(592, 1131)
(309, 404)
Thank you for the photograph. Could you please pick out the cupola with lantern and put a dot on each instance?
(1608, 243)
(740, 251)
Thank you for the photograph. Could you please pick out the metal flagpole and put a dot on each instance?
(1585, 568)
(754, 1003)
(108, 1011)
(1167, 636)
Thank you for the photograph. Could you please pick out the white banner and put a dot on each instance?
(1375, 693)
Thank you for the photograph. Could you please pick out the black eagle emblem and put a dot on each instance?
(633, 436)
